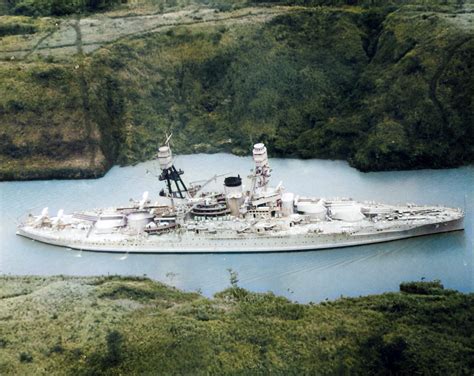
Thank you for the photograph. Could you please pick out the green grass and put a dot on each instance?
(122, 325)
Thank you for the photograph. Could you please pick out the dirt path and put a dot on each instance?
(77, 27)
(86, 35)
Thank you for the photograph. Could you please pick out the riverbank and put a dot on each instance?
(74, 167)
(111, 325)
(384, 86)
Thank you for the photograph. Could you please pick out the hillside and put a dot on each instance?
(120, 325)
(383, 86)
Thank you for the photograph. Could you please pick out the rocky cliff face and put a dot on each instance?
(384, 87)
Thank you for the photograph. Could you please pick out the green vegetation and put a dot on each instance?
(18, 25)
(68, 7)
(368, 86)
(384, 85)
(62, 7)
(52, 120)
(58, 7)
(121, 325)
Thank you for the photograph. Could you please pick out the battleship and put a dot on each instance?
(237, 218)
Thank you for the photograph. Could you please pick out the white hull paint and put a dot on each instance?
(213, 243)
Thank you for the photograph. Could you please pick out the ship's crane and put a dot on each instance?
(198, 188)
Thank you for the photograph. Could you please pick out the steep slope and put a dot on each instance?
(385, 87)
(417, 93)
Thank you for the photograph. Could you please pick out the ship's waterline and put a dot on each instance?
(262, 244)
(306, 276)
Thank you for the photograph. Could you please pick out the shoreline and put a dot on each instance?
(123, 325)
(71, 173)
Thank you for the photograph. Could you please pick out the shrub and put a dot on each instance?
(422, 288)
(26, 357)
(15, 28)
(114, 349)
(127, 292)
(57, 349)
(59, 7)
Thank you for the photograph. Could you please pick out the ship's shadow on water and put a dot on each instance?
(300, 276)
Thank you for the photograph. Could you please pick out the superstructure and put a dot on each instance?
(187, 219)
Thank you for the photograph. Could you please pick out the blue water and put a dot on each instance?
(302, 276)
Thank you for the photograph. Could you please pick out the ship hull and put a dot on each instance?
(188, 243)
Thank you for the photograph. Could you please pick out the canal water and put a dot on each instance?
(300, 276)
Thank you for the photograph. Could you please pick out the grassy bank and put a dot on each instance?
(384, 86)
(119, 325)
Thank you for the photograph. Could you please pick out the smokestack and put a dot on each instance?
(234, 194)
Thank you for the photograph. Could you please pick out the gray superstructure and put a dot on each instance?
(258, 219)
